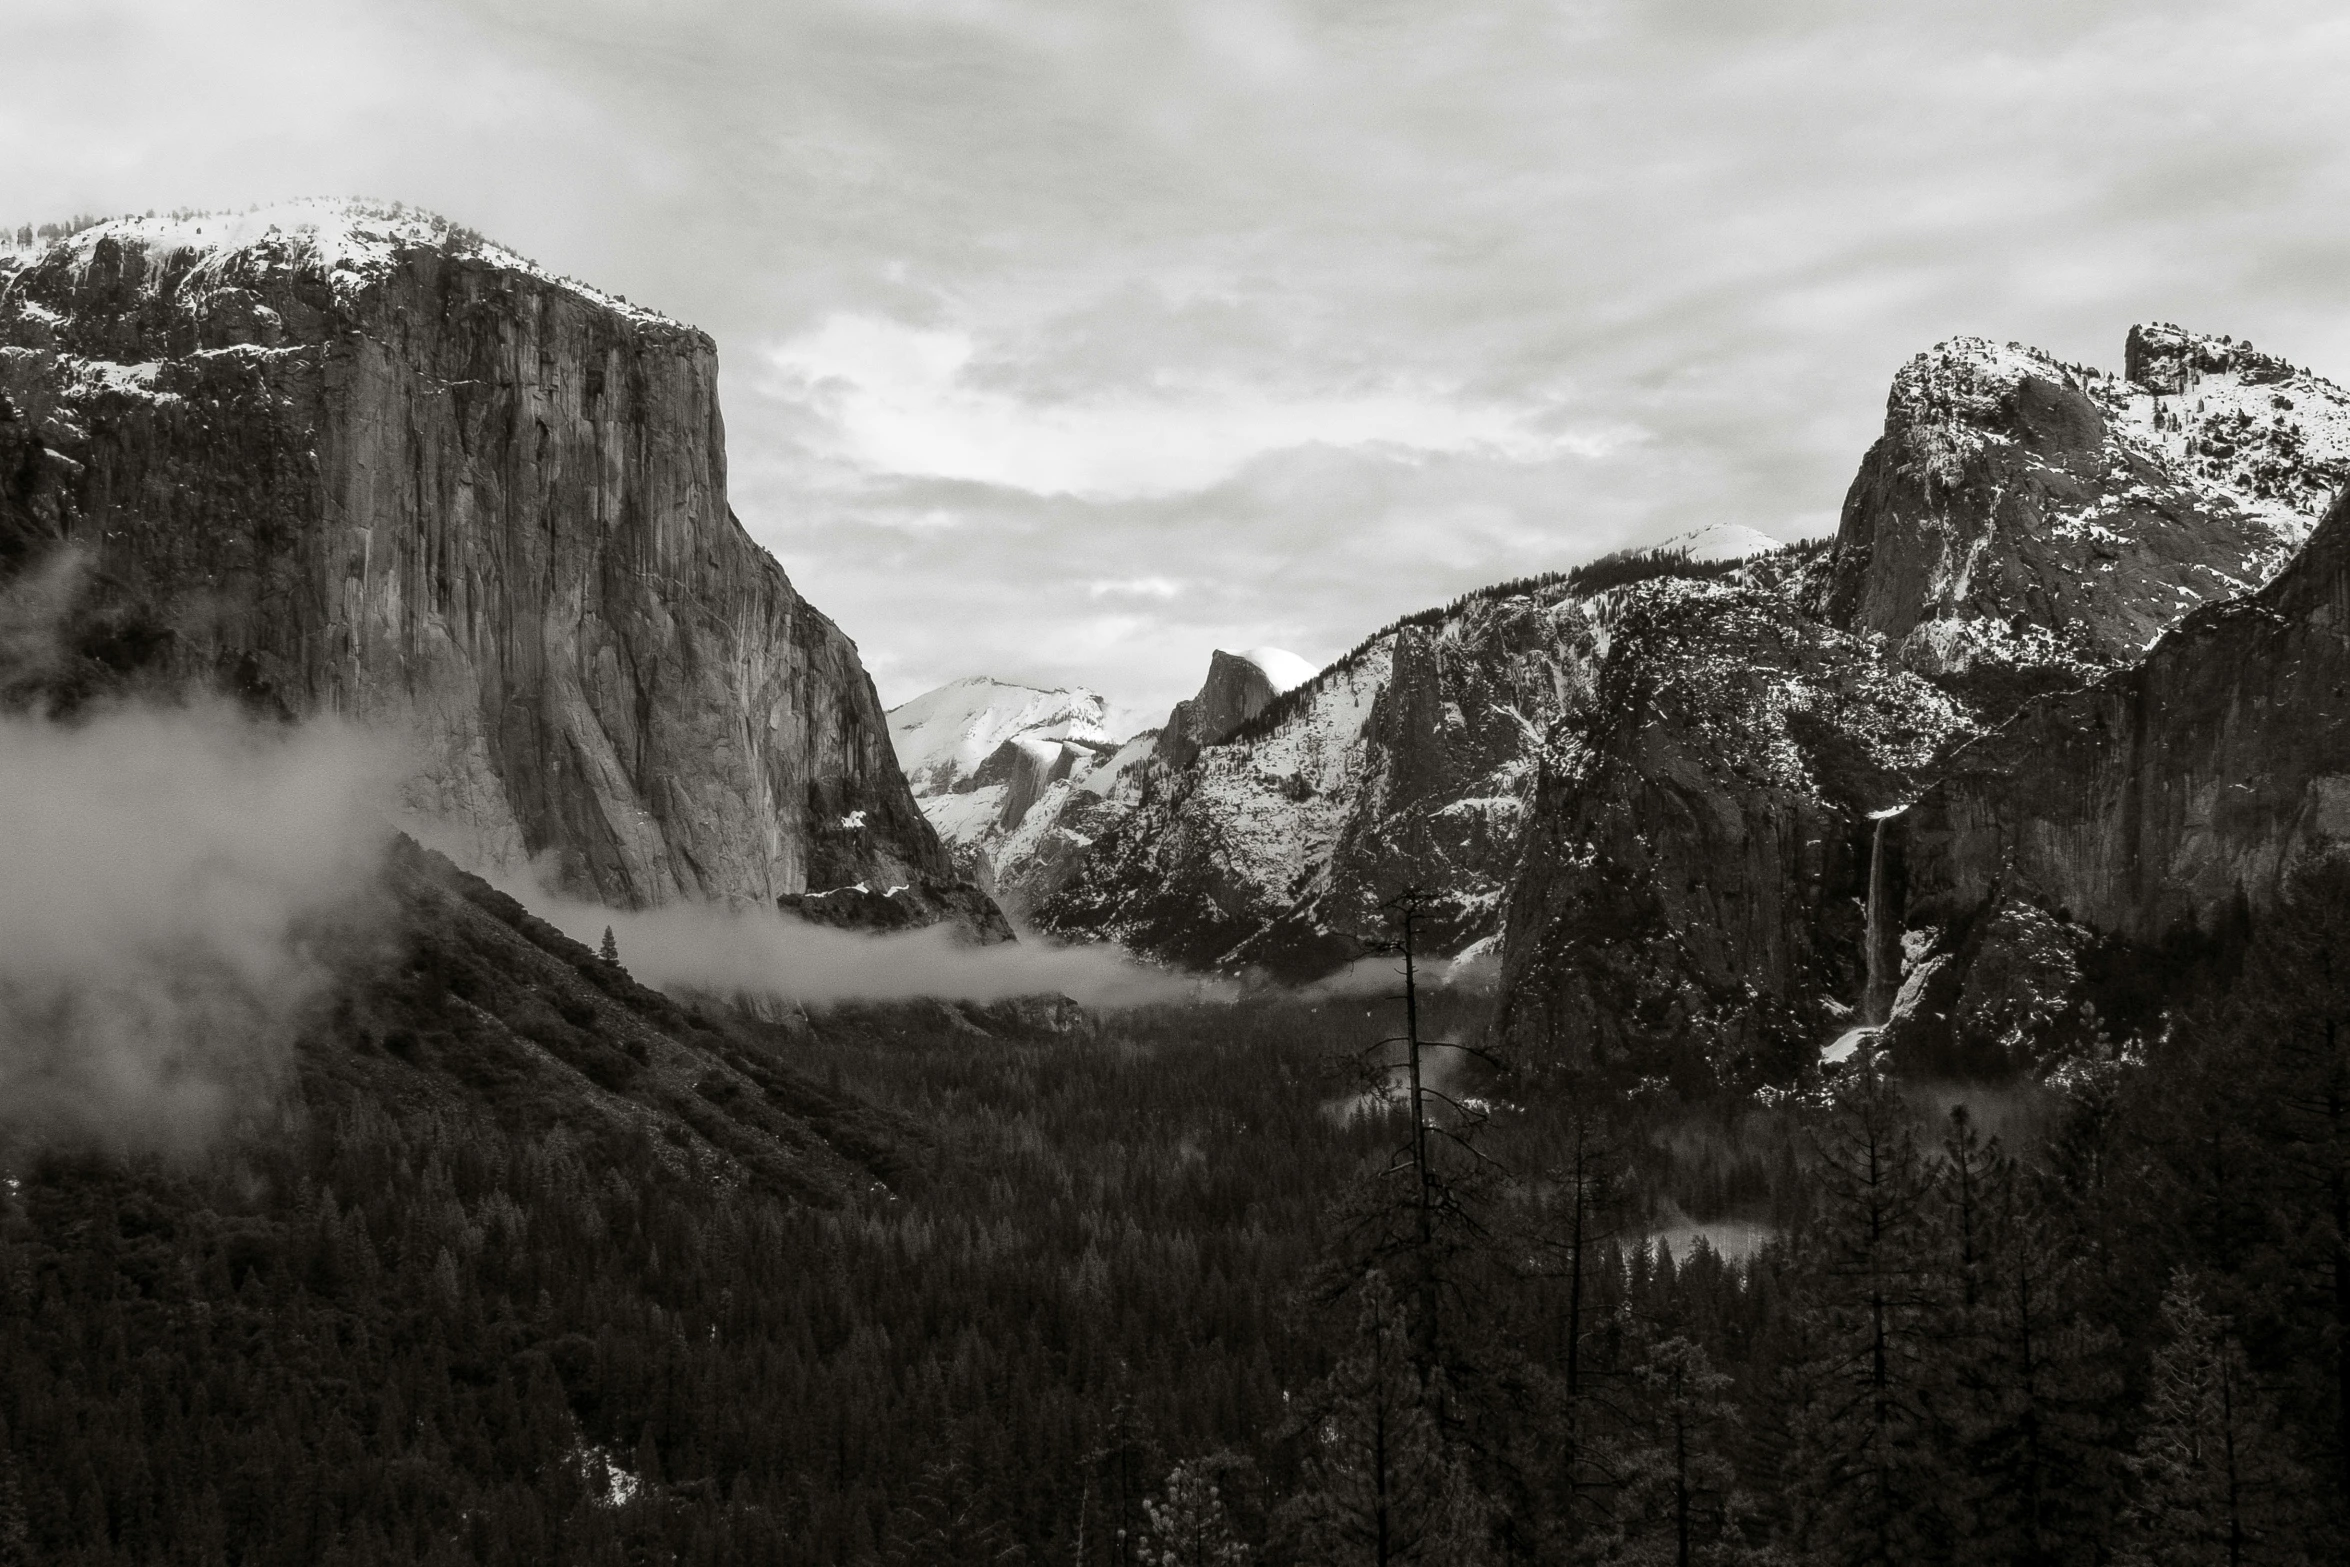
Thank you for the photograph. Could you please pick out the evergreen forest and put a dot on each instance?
(1192, 1285)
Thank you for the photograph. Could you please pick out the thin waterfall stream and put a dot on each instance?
(1880, 950)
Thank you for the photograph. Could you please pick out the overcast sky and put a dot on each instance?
(1065, 340)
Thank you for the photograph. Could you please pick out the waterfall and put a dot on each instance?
(1881, 934)
(1880, 944)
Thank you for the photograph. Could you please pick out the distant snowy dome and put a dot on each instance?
(1724, 541)
(942, 736)
(1284, 669)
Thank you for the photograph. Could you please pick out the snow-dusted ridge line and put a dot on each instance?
(2225, 426)
(348, 241)
(1568, 583)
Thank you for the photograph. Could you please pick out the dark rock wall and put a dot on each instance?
(1234, 692)
(1694, 886)
(470, 500)
(2168, 793)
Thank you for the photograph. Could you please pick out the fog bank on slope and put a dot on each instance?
(165, 875)
(759, 952)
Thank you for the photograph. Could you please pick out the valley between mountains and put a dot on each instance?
(1653, 790)
(1873, 1090)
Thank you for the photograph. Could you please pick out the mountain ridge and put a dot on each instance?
(2012, 536)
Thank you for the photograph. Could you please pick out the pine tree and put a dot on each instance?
(1117, 1465)
(1421, 1227)
(610, 951)
(1425, 1219)
(1575, 1243)
(16, 1540)
(1190, 1526)
(1380, 1483)
(1680, 1502)
(1869, 1475)
(2030, 1385)
(2295, 1004)
(947, 1523)
(2214, 1486)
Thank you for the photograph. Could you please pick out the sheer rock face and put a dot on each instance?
(2025, 524)
(342, 459)
(2168, 795)
(1236, 690)
(1407, 763)
(1691, 900)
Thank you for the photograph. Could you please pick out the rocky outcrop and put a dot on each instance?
(1239, 687)
(1690, 906)
(1705, 896)
(2166, 799)
(2025, 524)
(337, 458)
(1406, 763)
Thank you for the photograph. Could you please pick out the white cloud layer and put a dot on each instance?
(1317, 311)
(901, 401)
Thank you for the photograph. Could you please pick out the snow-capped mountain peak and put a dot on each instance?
(1721, 541)
(943, 737)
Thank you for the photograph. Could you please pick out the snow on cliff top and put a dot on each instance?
(1967, 377)
(2271, 435)
(1285, 670)
(942, 736)
(2216, 412)
(350, 243)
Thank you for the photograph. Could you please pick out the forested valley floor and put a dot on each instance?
(1175, 1286)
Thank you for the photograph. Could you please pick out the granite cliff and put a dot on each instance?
(2154, 810)
(2024, 524)
(335, 457)
(1239, 687)
(1689, 902)
(1702, 892)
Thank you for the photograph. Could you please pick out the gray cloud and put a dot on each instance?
(1708, 230)
(163, 875)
